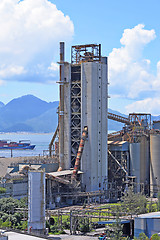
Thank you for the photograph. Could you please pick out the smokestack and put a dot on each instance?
(61, 109)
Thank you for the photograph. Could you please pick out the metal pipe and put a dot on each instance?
(80, 151)
(52, 141)
(61, 108)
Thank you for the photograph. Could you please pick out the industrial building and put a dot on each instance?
(92, 164)
(148, 223)
(110, 162)
(83, 102)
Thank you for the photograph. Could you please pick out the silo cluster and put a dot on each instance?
(140, 142)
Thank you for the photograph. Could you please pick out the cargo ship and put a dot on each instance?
(21, 145)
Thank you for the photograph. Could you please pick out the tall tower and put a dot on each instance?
(36, 202)
(84, 102)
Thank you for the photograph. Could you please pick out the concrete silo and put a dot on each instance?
(140, 162)
(155, 163)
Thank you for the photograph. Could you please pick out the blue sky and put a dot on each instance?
(129, 32)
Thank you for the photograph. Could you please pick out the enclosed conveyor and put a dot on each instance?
(79, 154)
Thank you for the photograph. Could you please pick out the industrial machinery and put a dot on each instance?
(79, 153)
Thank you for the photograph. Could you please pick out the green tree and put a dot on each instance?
(158, 203)
(9, 214)
(83, 225)
(115, 229)
(142, 236)
(6, 224)
(134, 203)
(24, 225)
(155, 237)
(2, 190)
(8, 205)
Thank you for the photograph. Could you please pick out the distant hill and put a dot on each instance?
(1, 104)
(28, 113)
(31, 114)
(113, 125)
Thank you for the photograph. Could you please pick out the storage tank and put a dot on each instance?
(134, 149)
(36, 202)
(155, 164)
(140, 163)
(145, 161)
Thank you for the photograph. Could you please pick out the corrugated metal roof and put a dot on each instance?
(9, 170)
(110, 142)
(150, 215)
(116, 142)
(113, 221)
(63, 173)
(35, 166)
(122, 142)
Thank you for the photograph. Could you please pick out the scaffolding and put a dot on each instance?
(75, 111)
(86, 53)
(118, 171)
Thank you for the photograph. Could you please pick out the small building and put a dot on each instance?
(148, 223)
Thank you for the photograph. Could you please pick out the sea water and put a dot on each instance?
(41, 140)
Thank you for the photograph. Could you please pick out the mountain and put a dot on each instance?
(28, 113)
(31, 114)
(113, 125)
(1, 104)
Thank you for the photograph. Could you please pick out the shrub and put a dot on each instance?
(155, 237)
(2, 190)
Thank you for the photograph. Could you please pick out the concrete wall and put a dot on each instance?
(20, 189)
(94, 115)
(49, 167)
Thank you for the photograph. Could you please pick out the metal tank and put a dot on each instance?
(155, 164)
(140, 163)
(145, 162)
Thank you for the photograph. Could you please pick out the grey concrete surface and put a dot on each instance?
(72, 237)
(18, 236)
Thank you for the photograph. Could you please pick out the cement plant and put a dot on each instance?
(85, 164)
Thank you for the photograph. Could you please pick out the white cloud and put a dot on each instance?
(148, 105)
(11, 70)
(30, 35)
(129, 73)
(53, 67)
